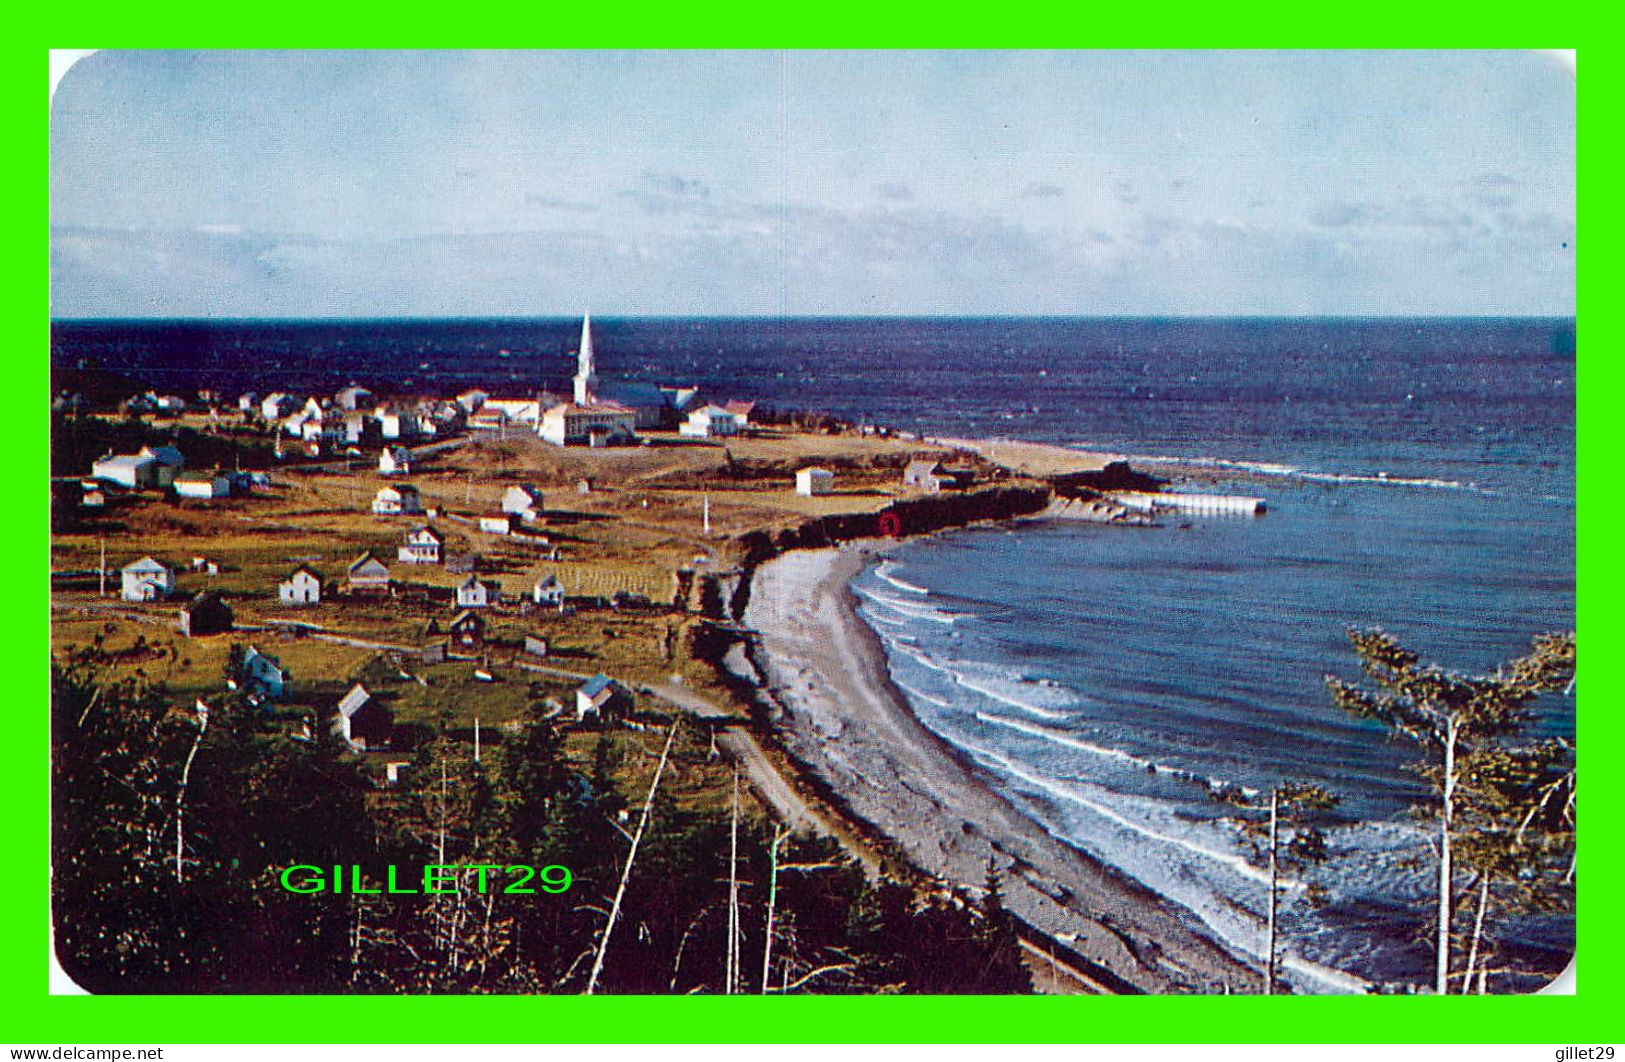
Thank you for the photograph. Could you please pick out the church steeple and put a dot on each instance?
(586, 378)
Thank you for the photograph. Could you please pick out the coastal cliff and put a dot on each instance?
(913, 515)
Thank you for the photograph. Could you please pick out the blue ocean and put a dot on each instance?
(1419, 476)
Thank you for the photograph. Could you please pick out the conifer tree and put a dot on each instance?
(1467, 728)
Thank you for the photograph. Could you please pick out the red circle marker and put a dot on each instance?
(890, 525)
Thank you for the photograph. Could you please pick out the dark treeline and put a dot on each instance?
(139, 780)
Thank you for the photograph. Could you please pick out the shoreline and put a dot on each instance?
(825, 675)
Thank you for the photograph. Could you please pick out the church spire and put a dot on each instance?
(586, 378)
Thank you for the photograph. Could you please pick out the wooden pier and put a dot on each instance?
(1194, 504)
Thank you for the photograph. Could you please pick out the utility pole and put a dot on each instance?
(103, 569)
(706, 498)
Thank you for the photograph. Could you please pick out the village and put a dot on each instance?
(404, 567)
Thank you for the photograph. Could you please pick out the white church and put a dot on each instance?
(597, 418)
(613, 411)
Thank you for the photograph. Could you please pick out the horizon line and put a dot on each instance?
(347, 318)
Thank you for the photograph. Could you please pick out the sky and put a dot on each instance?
(354, 184)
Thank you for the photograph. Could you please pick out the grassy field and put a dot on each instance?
(641, 521)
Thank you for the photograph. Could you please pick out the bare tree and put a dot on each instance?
(631, 855)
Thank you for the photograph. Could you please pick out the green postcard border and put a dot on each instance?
(33, 1016)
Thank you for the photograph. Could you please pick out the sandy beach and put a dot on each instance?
(839, 714)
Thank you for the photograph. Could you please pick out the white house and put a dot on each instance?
(303, 587)
(203, 485)
(925, 474)
(277, 405)
(395, 461)
(472, 400)
(600, 699)
(318, 429)
(362, 721)
(147, 580)
(475, 594)
(549, 591)
(571, 424)
(523, 500)
(422, 546)
(354, 398)
(368, 575)
(810, 481)
(498, 524)
(709, 420)
(741, 411)
(397, 501)
(394, 424)
(264, 673)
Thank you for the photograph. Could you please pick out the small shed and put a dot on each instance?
(811, 481)
(536, 644)
(205, 614)
(202, 485)
(497, 523)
